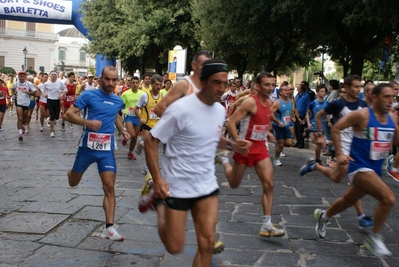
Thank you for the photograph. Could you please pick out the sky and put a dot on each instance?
(60, 27)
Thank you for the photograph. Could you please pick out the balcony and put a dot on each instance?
(32, 35)
(76, 63)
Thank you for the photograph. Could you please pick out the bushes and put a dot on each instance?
(7, 70)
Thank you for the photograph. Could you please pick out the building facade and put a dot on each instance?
(27, 45)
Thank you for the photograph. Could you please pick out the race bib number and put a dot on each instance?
(22, 89)
(101, 142)
(131, 112)
(259, 132)
(70, 98)
(379, 150)
(287, 120)
(153, 116)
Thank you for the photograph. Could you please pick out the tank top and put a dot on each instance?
(147, 111)
(71, 92)
(192, 89)
(284, 113)
(255, 128)
(90, 87)
(372, 145)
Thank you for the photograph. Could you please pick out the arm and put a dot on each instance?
(73, 116)
(246, 107)
(119, 126)
(244, 93)
(82, 88)
(310, 126)
(275, 106)
(180, 89)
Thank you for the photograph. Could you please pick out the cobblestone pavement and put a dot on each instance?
(44, 222)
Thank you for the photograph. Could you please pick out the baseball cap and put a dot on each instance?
(90, 75)
(21, 72)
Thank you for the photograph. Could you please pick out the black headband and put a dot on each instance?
(212, 68)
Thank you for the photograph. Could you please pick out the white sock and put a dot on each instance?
(19, 131)
(324, 216)
(395, 169)
(361, 216)
(267, 220)
(224, 160)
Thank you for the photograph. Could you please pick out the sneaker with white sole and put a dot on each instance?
(221, 156)
(282, 154)
(111, 234)
(139, 145)
(52, 134)
(41, 129)
(277, 162)
(308, 167)
(375, 244)
(321, 224)
(70, 126)
(272, 231)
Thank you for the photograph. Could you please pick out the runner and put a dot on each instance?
(339, 109)
(23, 90)
(373, 131)
(10, 84)
(97, 143)
(132, 122)
(281, 114)
(43, 103)
(32, 104)
(70, 97)
(189, 182)
(254, 115)
(4, 96)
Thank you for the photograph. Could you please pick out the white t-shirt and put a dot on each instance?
(191, 131)
(23, 99)
(90, 87)
(42, 98)
(143, 100)
(53, 89)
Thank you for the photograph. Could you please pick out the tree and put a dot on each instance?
(138, 32)
(7, 70)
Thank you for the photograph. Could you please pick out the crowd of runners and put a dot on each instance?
(203, 117)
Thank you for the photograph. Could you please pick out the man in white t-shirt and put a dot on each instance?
(188, 182)
(23, 90)
(54, 90)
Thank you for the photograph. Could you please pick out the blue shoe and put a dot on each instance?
(366, 223)
(308, 167)
(389, 163)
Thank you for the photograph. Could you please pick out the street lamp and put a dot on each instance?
(25, 52)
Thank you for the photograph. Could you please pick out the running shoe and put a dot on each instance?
(389, 162)
(366, 222)
(277, 162)
(271, 231)
(10, 112)
(41, 129)
(70, 126)
(221, 156)
(1, 130)
(124, 142)
(37, 117)
(331, 163)
(131, 156)
(23, 129)
(144, 170)
(63, 127)
(52, 134)
(147, 202)
(148, 184)
(139, 145)
(308, 167)
(21, 137)
(282, 155)
(375, 244)
(389, 170)
(111, 234)
(320, 223)
(218, 247)
(27, 128)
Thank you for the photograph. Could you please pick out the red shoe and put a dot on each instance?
(124, 142)
(147, 202)
(131, 156)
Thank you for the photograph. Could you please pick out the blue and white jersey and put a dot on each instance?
(340, 108)
(284, 113)
(371, 146)
(98, 105)
(314, 107)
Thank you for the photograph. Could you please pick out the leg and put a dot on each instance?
(108, 181)
(131, 131)
(264, 170)
(1, 118)
(74, 177)
(279, 148)
(20, 115)
(352, 194)
(336, 174)
(205, 214)
(171, 228)
(234, 174)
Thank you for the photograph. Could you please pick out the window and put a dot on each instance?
(30, 29)
(30, 62)
(82, 56)
(61, 54)
(2, 61)
(2, 26)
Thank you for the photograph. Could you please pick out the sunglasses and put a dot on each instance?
(343, 92)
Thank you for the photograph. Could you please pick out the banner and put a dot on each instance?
(176, 63)
(43, 9)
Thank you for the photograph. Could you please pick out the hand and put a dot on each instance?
(281, 125)
(241, 146)
(310, 126)
(60, 97)
(126, 135)
(161, 188)
(343, 159)
(142, 121)
(45, 95)
(329, 124)
(94, 124)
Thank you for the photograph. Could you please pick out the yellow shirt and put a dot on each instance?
(147, 111)
(144, 89)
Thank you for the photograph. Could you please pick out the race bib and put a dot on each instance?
(287, 120)
(21, 89)
(153, 116)
(70, 98)
(131, 112)
(379, 150)
(259, 132)
(101, 142)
